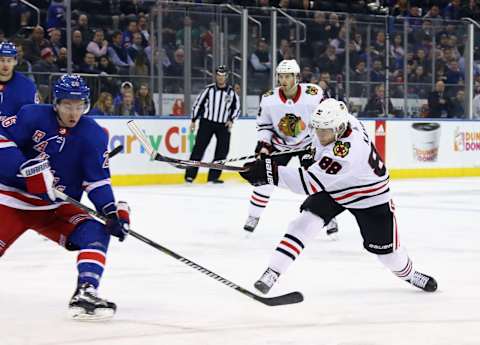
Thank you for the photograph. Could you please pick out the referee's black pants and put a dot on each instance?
(206, 130)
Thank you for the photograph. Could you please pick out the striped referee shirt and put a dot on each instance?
(217, 104)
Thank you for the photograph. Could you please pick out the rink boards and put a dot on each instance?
(427, 148)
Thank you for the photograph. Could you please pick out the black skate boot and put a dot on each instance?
(266, 281)
(251, 223)
(422, 281)
(86, 306)
(332, 230)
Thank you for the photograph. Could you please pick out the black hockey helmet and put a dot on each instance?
(221, 70)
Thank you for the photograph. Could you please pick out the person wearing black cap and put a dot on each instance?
(217, 107)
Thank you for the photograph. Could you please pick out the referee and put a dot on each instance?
(217, 107)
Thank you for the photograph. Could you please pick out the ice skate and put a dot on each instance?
(85, 305)
(266, 281)
(424, 282)
(251, 223)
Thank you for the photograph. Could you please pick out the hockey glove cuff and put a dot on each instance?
(261, 172)
(118, 223)
(263, 149)
(38, 178)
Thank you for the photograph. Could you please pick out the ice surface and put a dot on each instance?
(350, 298)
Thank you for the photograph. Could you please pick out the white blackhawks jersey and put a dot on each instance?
(349, 169)
(284, 122)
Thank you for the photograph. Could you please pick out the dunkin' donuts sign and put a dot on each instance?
(466, 140)
(425, 140)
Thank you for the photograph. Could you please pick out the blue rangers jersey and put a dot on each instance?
(15, 93)
(78, 157)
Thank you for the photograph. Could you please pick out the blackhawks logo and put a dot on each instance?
(341, 149)
(268, 93)
(311, 90)
(291, 125)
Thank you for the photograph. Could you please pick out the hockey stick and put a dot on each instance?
(177, 163)
(277, 153)
(290, 298)
(115, 151)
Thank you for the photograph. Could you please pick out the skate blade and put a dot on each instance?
(101, 314)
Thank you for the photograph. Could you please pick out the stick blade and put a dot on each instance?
(289, 298)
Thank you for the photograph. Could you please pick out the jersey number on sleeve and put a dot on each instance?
(329, 165)
(376, 162)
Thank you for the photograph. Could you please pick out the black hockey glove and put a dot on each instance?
(261, 172)
(263, 149)
(307, 159)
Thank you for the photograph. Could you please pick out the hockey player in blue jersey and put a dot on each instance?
(53, 146)
(16, 90)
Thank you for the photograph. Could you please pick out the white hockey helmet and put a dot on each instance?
(287, 67)
(330, 114)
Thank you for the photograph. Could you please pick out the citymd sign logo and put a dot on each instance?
(466, 141)
(174, 140)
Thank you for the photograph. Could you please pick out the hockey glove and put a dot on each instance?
(263, 149)
(118, 223)
(307, 159)
(38, 178)
(261, 172)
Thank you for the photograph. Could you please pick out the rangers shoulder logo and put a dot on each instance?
(9, 121)
(312, 90)
(341, 149)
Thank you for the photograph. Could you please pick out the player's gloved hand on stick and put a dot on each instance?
(38, 178)
(263, 149)
(261, 172)
(118, 223)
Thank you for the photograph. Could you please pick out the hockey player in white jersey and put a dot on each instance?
(282, 125)
(348, 174)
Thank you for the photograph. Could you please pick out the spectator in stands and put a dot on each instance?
(127, 106)
(106, 66)
(453, 10)
(135, 7)
(333, 26)
(78, 48)
(438, 102)
(284, 51)
(56, 14)
(136, 45)
(45, 65)
(118, 54)
(419, 76)
(103, 105)
(377, 73)
(378, 46)
(99, 45)
(175, 69)
(62, 60)
(140, 68)
(400, 9)
(127, 35)
(476, 104)
(329, 61)
(376, 104)
(89, 65)
(82, 26)
(180, 34)
(125, 87)
(55, 41)
(143, 28)
(23, 65)
(457, 106)
(434, 14)
(144, 104)
(454, 76)
(471, 10)
(261, 59)
(339, 42)
(35, 44)
(318, 34)
(359, 76)
(307, 75)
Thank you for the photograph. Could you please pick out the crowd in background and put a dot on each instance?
(112, 39)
